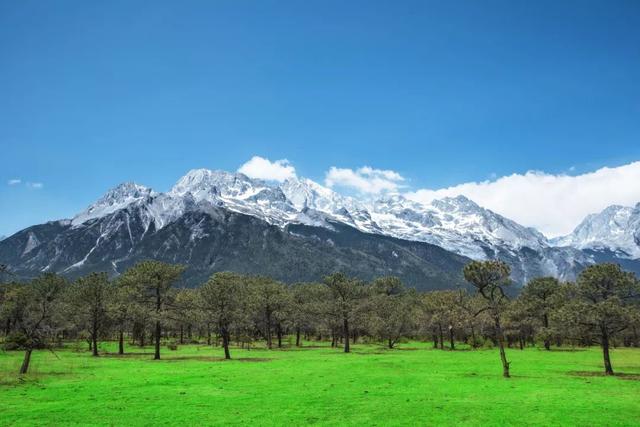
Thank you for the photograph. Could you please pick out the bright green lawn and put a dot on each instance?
(413, 385)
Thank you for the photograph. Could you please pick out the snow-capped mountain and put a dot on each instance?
(115, 199)
(616, 228)
(129, 216)
(456, 224)
(236, 192)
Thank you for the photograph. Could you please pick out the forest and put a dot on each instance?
(232, 311)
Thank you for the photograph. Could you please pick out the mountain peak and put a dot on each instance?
(128, 188)
(114, 199)
(614, 228)
(457, 203)
(204, 183)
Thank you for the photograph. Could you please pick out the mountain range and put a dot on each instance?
(299, 230)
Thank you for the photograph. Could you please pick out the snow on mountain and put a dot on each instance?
(115, 199)
(237, 192)
(306, 194)
(456, 224)
(616, 228)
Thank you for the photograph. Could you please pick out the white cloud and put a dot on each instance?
(35, 185)
(261, 168)
(14, 181)
(554, 204)
(365, 179)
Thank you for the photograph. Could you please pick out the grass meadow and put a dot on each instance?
(318, 385)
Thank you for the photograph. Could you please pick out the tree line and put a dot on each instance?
(144, 304)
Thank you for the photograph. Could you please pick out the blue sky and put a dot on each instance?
(442, 93)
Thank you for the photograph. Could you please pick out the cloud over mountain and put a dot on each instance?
(554, 204)
(364, 180)
(261, 168)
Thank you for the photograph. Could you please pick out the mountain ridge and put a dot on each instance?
(456, 224)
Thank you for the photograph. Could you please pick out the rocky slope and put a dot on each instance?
(300, 230)
(616, 229)
(209, 238)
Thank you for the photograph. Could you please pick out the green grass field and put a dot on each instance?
(411, 385)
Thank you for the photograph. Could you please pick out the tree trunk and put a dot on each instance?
(435, 340)
(298, 337)
(473, 338)
(269, 342)
(346, 336)
(390, 343)
(500, 339)
(25, 362)
(208, 334)
(120, 342)
(608, 369)
(441, 336)
(158, 333)
(225, 343)
(94, 341)
(547, 342)
(452, 345)
(181, 334)
(156, 355)
(94, 337)
(279, 332)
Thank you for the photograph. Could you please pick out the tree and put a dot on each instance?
(121, 306)
(444, 312)
(471, 321)
(4, 272)
(540, 297)
(152, 281)
(307, 307)
(271, 301)
(88, 298)
(605, 291)
(393, 310)
(7, 306)
(345, 297)
(520, 323)
(489, 277)
(35, 306)
(186, 313)
(223, 300)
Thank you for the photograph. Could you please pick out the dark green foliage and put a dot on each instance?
(240, 309)
(35, 311)
(539, 299)
(489, 277)
(87, 300)
(602, 306)
(150, 283)
(224, 300)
